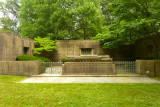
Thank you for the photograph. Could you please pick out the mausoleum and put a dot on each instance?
(12, 46)
(77, 48)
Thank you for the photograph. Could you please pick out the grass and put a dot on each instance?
(157, 78)
(13, 94)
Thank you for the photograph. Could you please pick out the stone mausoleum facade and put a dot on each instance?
(70, 48)
(86, 57)
(12, 46)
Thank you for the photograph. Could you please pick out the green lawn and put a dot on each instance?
(14, 94)
(157, 78)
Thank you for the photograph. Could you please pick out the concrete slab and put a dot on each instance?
(60, 75)
(90, 80)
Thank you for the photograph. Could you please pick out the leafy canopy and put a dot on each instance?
(132, 20)
(9, 16)
(60, 19)
(44, 44)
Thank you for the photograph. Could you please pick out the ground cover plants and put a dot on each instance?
(32, 58)
(17, 94)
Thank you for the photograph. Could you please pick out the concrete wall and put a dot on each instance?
(12, 46)
(141, 47)
(21, 68)
(123, 53)
(73, 48)
(151, 66)
(88, 68)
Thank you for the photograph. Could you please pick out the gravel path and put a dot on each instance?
(89, 80)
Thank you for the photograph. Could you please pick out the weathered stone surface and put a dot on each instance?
(12, 46)
(73, 48)
(157, 68)
(90, 58)
(141, 47)
(148, 67)
(22, 68)
(88, 68)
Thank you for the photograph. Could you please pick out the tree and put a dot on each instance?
(44, 44)
(133, 20)
(106, 12)
(60, 19)
(89, 18)
(9, 19)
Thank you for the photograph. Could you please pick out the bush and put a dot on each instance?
(27, 58)
(32, 58)
(148, 58)
(44, 59)
(145, 58)
(64, 60)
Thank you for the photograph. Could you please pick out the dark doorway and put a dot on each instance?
(150, 51)
(26, 50)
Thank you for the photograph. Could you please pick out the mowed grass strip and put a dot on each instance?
(13, 94)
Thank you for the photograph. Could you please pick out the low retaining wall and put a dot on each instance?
(148, 67)
(88, 68)
(21, 68)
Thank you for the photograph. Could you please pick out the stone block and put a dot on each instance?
(148, 67)
(88, 68)
(157, 68)
(22, 68)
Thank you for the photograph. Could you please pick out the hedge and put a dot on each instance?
(32, 58)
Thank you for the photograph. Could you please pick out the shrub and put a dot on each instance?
(145, 58)
(148, 58)
(64, 60)
(27, 58)
(32, 58)
(44, 59)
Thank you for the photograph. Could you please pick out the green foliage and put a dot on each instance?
(64, 60)
(106, 12)
(44, 44)
(44, 59)
(132, 20)
(27, 58)
(32, 58)
(104, 35)
(43, 68)
(60, 19)
(9, 19)
(146, 58)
